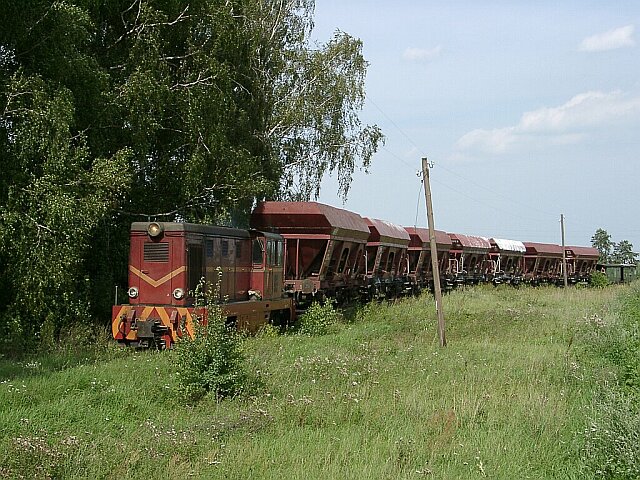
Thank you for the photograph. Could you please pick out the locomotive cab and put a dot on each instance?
(267, 273)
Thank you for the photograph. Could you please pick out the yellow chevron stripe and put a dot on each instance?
(151, 281)
(115, 323)
(189, 322)
(148, 312)
(164, 316)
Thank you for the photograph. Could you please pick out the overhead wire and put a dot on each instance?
(474, 199)
(493, 191)
(438, 165)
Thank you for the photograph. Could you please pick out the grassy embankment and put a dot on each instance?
(510, 397)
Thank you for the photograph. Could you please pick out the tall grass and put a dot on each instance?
(612, 435)
(376, 397)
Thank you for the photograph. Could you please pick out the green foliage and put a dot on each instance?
(378, 399)
(602, 241)
(53, 213)
(622, 343)
(212, 362)
(268, 331)
(319, 319)
(112, 111)
(598, 280)
(612, 437)
(323, 90)
(623, 253)
(611, 252)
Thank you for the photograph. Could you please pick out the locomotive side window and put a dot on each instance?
(225, 248)
(195, 266)
(238, 249)
(258, 248)
(279, 254)
(209, 248)
(271, 252)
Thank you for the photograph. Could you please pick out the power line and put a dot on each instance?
(465, 194)
(397, 127)
(494, 192)
(397, 157)
(438, 165)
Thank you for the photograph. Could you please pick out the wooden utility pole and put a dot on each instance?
(434, 253)
(564, 253)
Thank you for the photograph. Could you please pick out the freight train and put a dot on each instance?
(298, 252)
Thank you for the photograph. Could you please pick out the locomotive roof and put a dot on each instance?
(420, 237)
(470, 242)
(193, 228)
(588, 252)
(387, 232)
(308, 218)
(543, 248)
(508, 245)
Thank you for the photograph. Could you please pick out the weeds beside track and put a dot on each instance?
(513, 396)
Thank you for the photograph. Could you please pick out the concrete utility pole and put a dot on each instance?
(564, 253)
(434, 253)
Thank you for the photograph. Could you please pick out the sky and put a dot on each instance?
(527, 110)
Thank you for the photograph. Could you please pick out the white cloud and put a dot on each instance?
(566, 124)
(421, 54)
(617, 38)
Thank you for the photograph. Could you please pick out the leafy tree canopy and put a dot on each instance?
(116, 109)
(611, 252)
(602, 241)
(623, 253)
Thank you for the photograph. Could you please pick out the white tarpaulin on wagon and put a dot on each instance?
(509, 245)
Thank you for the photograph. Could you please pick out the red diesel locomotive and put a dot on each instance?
(167, 262)
(297, 252)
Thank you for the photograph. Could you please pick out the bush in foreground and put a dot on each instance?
(319, 319)
(212, 362)
(598, 280)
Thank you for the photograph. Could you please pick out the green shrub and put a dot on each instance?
(599, 280)
(212, 362)
(268, 331)
(319, 319)
(612, 439)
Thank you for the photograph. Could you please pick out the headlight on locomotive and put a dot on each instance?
(178, 294)
(155, 229)
(133, 292)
